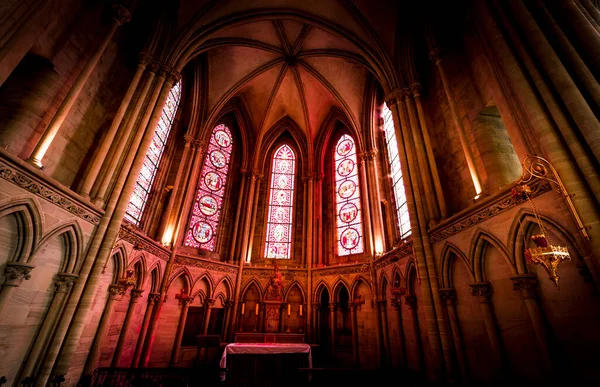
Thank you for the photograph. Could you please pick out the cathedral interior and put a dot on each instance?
(404, 188)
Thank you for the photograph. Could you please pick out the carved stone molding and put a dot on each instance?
(268, 272)
(526, 284)
(435, 55)
(64, 282)
(145, 59)
(483, 291)
(209, 302)
(16, 272)
(153, 298)
(448, 295)
(416, 89)
(228, 304)
(503, 203)
(368, 155)
(213, 266)
(405, 249)
(114, 290)
(354, 269)
(120, 14)
(46, 192)
(129, 234)
(136, 293)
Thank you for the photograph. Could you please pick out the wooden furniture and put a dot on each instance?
(281, 338)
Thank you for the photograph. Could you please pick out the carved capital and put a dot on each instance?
(63, 282)
(228, 304)
(209, 302)
(189, 139)
(120, 14)
(448, 295)
(526, 284)
(256, 174)
(172, 76)
(136, 293)
(483, 290)
(368, 155)
(115, 290)
(153, 298)
(308, 177)
(410, 301)
(406, 93)
(435, 55)
(317, 306)
(145, 59)
(415, 88)
(16, 272)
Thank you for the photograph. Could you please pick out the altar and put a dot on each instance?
(264, 364)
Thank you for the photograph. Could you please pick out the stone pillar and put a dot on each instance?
(244, 253)
(63, 284)
(372, 177)
(526, 284)
(114, 290)
(483, 291)
(102, 151)
(316, 323)
(332, 323)
(226, 320)
(354, 319)
(208, 305)
(435, 176)
(236, 223)
(401, 337)
(120, 16)
(369, 238)
(14, 274)
(133, 301)
(319, 221)
(282, 317)
(258, 177)
(184, 301)
(382, 310)
(153, 298)
(411, 302)
(115, 157)
(448, 295)
(434, 55)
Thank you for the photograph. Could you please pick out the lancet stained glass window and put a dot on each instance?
(204, 221)
(348, 208)
(141, 191)
(397, 181)
(279, 224)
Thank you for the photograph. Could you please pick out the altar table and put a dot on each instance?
(259, 366)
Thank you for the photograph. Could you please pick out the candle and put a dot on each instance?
(300, 309)
(289, 309)
(256, 309)
(243, 307)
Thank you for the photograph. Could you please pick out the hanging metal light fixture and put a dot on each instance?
(545, 253)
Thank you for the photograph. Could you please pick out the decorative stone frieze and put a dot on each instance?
(354, 269)
(16, 272)
(212, 266)
(129, 234)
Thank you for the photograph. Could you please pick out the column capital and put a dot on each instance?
(172, 76)
(526, 284)
(153, 298)
(145, 59)
(136, 293)
(448, 295)
(435, 55)
(415, 88)
(228, 304)
(483, 290)
(406, 93)
(369, 155)
(308, 177)
(410, 301)
(63, 282)
(16, 272)
(114, 290)
(209, 302)
(120, 14)
(392, 97)
(256, 174)
(317, 306)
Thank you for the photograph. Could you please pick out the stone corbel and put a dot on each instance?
(16, 272)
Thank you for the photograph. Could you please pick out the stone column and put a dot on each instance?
(396, 303)
(208, 305)
(434, 55)
(382, 309)
(236, 223)
(126, 132)
(102, 152)
(369, 238)
(244, 253)
(153, 298)
(411, 302)
(120, 16)
(316, 323)
(114, 290)
(258, 177)
(526, 284)
(435, 176)
(226, 320)
(14, 274)
(63, 284)
(332, 323)
(372, 177)
(448, 295)
(184, 301)
(133, 301)
(353, 317)
(483, 291)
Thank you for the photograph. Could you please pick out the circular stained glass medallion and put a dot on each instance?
(346, 189)
(345, 147)
(222, 138)
(213, 181)
(345, 167)
(217, 158)
(349, 238)
(279, 232)
(348, 212)
(203, 232)
(281, 197)
(282, 181)
(208, 205)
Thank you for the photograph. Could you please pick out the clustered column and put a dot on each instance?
(153, 298)
(133, 301)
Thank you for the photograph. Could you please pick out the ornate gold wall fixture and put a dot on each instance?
(546, 254)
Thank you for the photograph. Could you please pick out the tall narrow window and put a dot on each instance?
(279, 226)
(139, 197)
(397, 181)
(204, 221)
(349, 213)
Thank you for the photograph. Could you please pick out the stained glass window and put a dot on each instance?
(397, 181)
(348, 208)
(141, 191)
(204, 221)
(279, 224)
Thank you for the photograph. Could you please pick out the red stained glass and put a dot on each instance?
(204, 220)
(143, 185)
(349, 213)
(396, 172)
(279, 226)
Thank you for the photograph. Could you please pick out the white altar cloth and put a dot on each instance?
(264, 349)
